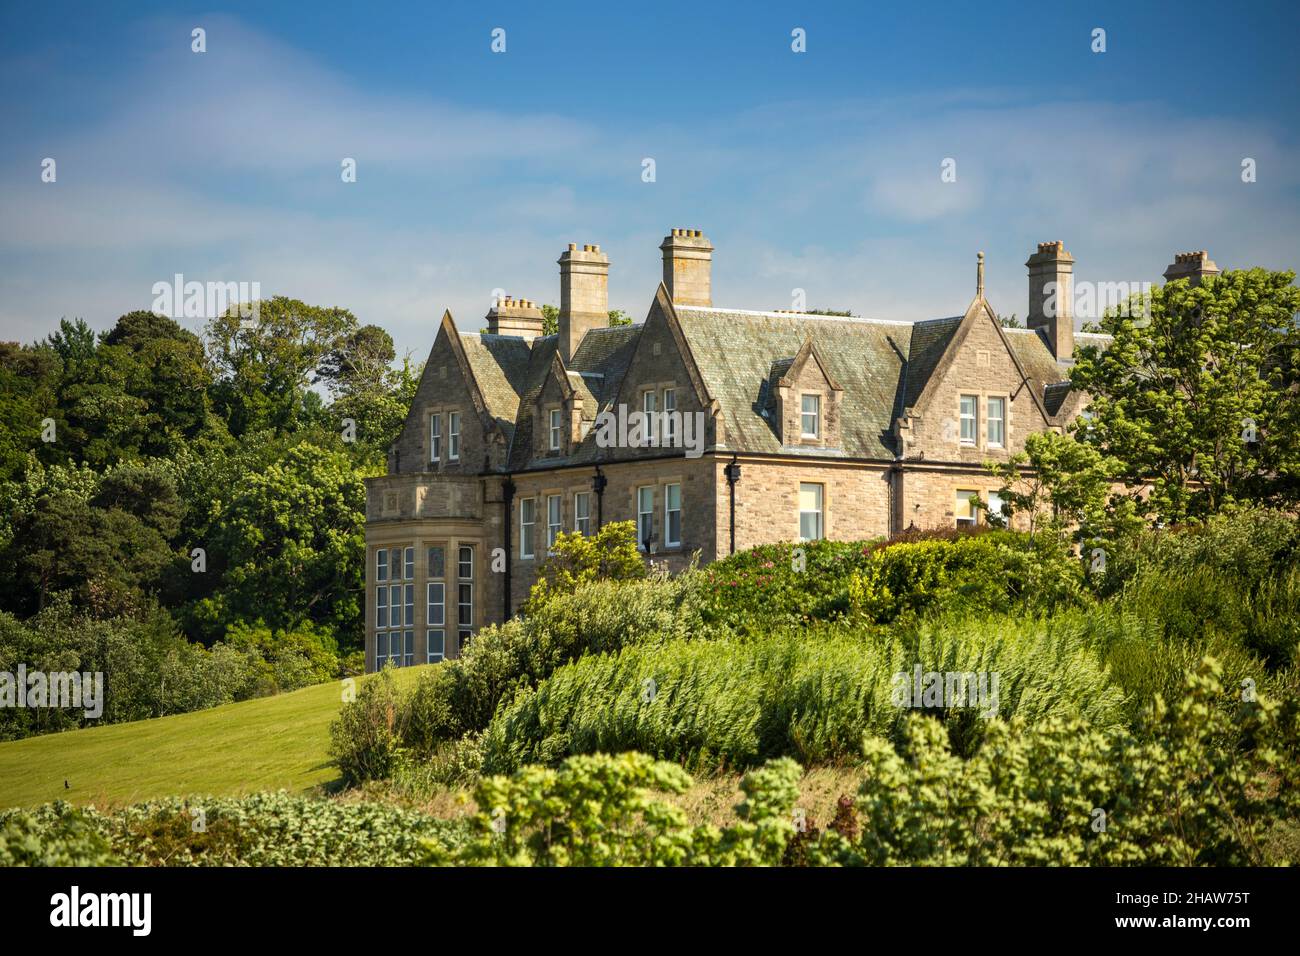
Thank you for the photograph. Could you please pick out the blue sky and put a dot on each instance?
(818, 171)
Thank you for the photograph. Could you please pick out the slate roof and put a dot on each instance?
(736, 350)
(500, 366)
(883, 367)
(929, 340)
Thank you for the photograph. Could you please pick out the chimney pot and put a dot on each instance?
(513, 315)
(688, 264)
(584, 295)
(1192, 266)
(1051, 297)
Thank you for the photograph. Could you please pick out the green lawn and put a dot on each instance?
(272, 743)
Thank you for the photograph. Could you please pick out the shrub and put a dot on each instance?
(577, 559)
(460, 696)
(984, 572)
(265, 829)
(366, 738)
(1066, 793)
(150, 668)
(1236, 577)
(59, 836)
(600, 810)
(776, 586)
(722, 704)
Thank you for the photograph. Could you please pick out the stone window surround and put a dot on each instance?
(591, 510)
(532, 538)
(821, 404)
(444, 456)
(657, 512)
(658, 389)
(542, 442)
(451, 544)
(982, 419)
(442, 412)
(547, 497)
(974, 519)
(826, 509)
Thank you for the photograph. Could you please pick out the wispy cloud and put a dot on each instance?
(225, 166)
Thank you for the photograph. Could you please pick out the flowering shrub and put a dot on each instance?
(986, 572)
(782, 585)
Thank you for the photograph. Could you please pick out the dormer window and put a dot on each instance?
(453, 436)
(556, 418)
(810, 415)
(435, 437)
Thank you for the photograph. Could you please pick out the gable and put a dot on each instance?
(979, 355)
(447, 383)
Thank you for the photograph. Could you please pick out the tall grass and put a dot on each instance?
(714, 705)
(460, 696)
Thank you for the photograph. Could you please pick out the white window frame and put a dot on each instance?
(438, 619)
(582, 516)
(645, 516)
(554, 519)
(816, 414)
(669, 540)
(435, 437)
(650, 413)
(464, 587)
(974, 518)
(1000, 419)
(556, 423)
(394, 606)
(669, 404)
(972, 418)
(527, 529)
(996, 506)
(432, 656)
(453, 436)
(819, 512)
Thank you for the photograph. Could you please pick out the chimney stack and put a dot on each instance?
(1051, 297)
(1192, 266)
(584, 295)
(519, 317)
(688, 262)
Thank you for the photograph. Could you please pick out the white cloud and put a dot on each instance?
(225, 166)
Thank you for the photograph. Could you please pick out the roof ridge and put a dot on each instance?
(858, 319)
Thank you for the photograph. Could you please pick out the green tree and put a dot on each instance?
(1057, 483)
(288, 547)
(366, 388)
(1197, 395)
(108, 548)
(29, 378)
(265, 364)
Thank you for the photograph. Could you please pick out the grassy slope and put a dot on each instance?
(272, 743)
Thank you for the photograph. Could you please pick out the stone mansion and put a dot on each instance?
(812, 426)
